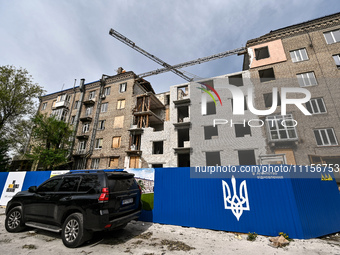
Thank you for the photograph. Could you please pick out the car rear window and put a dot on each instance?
(122, 184)
(89, 183)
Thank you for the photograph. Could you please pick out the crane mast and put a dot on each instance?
(173, 68)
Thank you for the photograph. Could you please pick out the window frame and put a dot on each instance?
(119, 141)
(296, 56)
(336, 59)
(332, 35)
(92, 95)
(257, 52)
(300, 77)
(95, 163)
(119, 104)
(98, 143)
(107, 91)
(122, 87)
(319, 131)
(312, 106)
(44, 106)
(104, 107)
(271, 128)
(101, 125)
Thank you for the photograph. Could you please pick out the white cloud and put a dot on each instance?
(59, 41)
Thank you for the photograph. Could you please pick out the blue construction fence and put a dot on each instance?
(301, 206)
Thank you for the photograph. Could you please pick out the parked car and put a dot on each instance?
(77, 204)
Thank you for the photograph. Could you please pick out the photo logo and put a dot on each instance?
(238, 100)
(236, 203)
(204, 98)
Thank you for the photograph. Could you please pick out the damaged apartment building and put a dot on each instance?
(305, 55)
(107, 116)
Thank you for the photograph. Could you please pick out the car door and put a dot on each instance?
(42, 203)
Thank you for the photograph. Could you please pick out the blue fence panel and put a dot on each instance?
(293, 206)
(3, 178)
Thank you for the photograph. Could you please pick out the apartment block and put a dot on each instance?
(304, 55)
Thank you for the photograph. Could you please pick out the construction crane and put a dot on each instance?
(130, 43)
(167, 67)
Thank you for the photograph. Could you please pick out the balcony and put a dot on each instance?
(89, 102)
(86, 119)
(61, 104)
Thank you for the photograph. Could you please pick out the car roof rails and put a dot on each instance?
(95, 171)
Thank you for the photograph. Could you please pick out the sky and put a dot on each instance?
(60, 41)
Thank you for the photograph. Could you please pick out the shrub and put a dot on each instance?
(251, 236)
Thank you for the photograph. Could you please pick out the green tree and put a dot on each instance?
(4, 158)
(18, 95)
(50, 141)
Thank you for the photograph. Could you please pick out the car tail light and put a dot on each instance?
(140, 189)
(104, 196)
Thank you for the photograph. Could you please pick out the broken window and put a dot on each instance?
(157, 147)
(101, 125)
(92, 95)
(210, 131)
(86, 127)
(242, 130)
(114, 162)
(236, 80)
(116, 141)
(157, 165)
(261, 53)
(268, 99)
(183, 160)
(245, 104)
(213, 158)
(167, 100)
(182, 92)
(211, 108)
(99, 143)
(135, 142)
(183, 136)
(182, 112)
(246, 157)
(267, 75)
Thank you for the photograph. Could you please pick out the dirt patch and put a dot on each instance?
(146, 235)
(176, 245)
(29, 246)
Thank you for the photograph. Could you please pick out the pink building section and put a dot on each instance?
(276, 54)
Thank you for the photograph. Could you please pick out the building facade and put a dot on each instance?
(305, 55)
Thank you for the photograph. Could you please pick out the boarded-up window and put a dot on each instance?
(114, 162)
(121, 104)
(116, 142)
(119, 122)
(167, 114)
(134, 162)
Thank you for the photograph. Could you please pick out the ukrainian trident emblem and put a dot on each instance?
(237, 204)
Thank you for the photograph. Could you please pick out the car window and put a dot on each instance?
(69, 184)
(89, 182)
(122, 184)
(49, 186)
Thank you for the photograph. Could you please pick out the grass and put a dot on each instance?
(147, 200)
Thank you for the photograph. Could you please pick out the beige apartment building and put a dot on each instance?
(305, 55)
(107, 117)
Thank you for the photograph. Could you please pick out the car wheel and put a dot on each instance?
(14, 222)
(73, 233)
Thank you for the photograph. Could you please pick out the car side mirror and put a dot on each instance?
(32, 189)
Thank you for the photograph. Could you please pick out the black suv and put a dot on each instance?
(77, 204)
